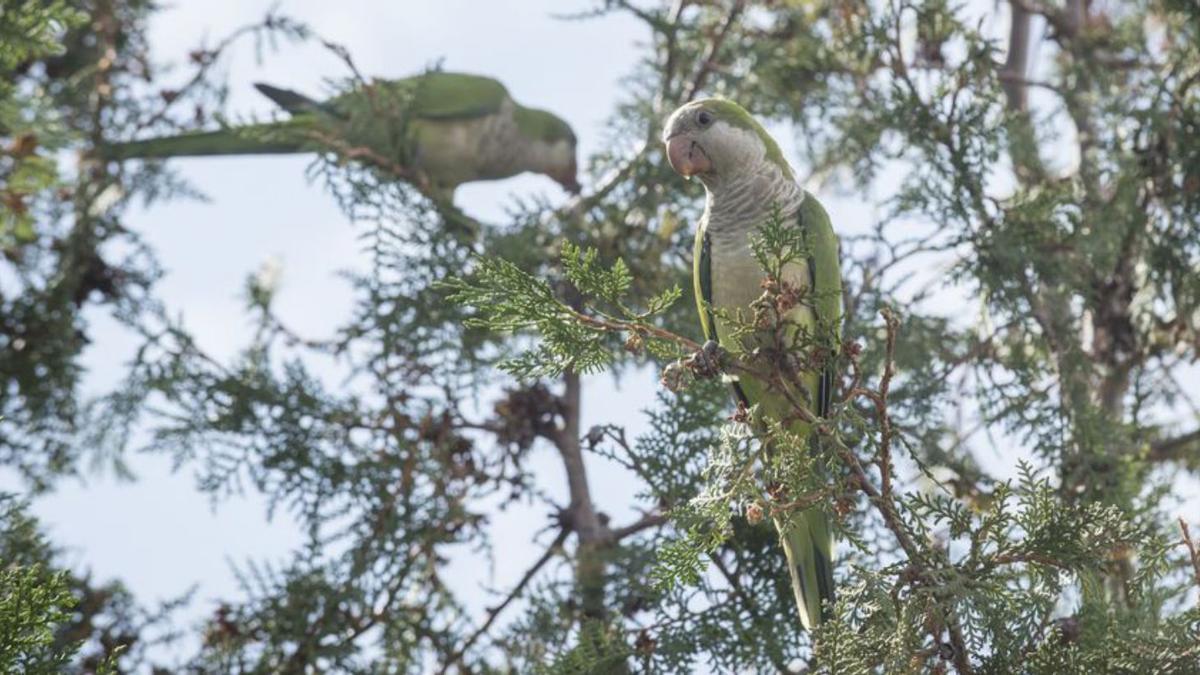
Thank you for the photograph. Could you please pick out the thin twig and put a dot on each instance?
(1175, 448)
(1193, 552)
(709, 62)
(494, 612)
(647, 521)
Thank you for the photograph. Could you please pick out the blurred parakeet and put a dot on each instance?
(438, 130)
(747, 180)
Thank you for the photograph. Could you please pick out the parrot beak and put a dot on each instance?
(571, 185)
(686, 156)
(567, 180)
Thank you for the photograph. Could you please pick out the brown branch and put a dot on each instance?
(748, 602)
(1022, 142)
(1176, 448)
(1026, 82)
(881, 405)
(1016, 65)
(494, 612)
(709, 62)
(581, 514)
(1193, 551)
(1025, 557)
(646, 522)
(206, 58)
(1057, 20)
(670, 61)
(583, 517)
(881, 497)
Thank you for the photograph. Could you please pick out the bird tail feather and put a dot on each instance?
(807, 541)
(254, 139)
(291, 101)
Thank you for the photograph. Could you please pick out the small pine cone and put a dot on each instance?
(778, 491)
(788, 297)
(674, 377)
(594, 436)
(645, 644)
(1068, 630)
(742, 414)
(635, 344)
(706, 362)
(754, 513)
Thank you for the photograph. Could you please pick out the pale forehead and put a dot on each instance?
(691, 105)
(681, 112)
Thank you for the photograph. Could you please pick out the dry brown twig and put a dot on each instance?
(1193, 551)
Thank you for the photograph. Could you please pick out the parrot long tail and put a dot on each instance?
(292, 101)
(255, 139)
(808, 544)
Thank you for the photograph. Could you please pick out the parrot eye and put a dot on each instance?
(705, 118)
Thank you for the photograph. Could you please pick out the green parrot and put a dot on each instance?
(445, 129)
(747, 180)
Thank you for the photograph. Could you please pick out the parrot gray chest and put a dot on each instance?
(733, 214)
(456, 151)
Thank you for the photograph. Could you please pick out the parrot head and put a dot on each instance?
(714, 139)
(550, 146)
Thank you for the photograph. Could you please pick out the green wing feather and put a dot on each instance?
(807, 538)
(702, 282)
(435, 96)
(457, 96)
(702, 285)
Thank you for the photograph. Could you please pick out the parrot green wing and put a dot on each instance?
(702, 286)
(808, 538)
(434, 96)
(445, 96)
(825, 277)
(702, 282)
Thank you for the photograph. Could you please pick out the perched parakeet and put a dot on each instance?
(748, 181)
(444, 129)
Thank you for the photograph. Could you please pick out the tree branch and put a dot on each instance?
(1193, 552)
(1016, 65)
(1185, 448)
(646, 522)
(494, 612)
(700, 78)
